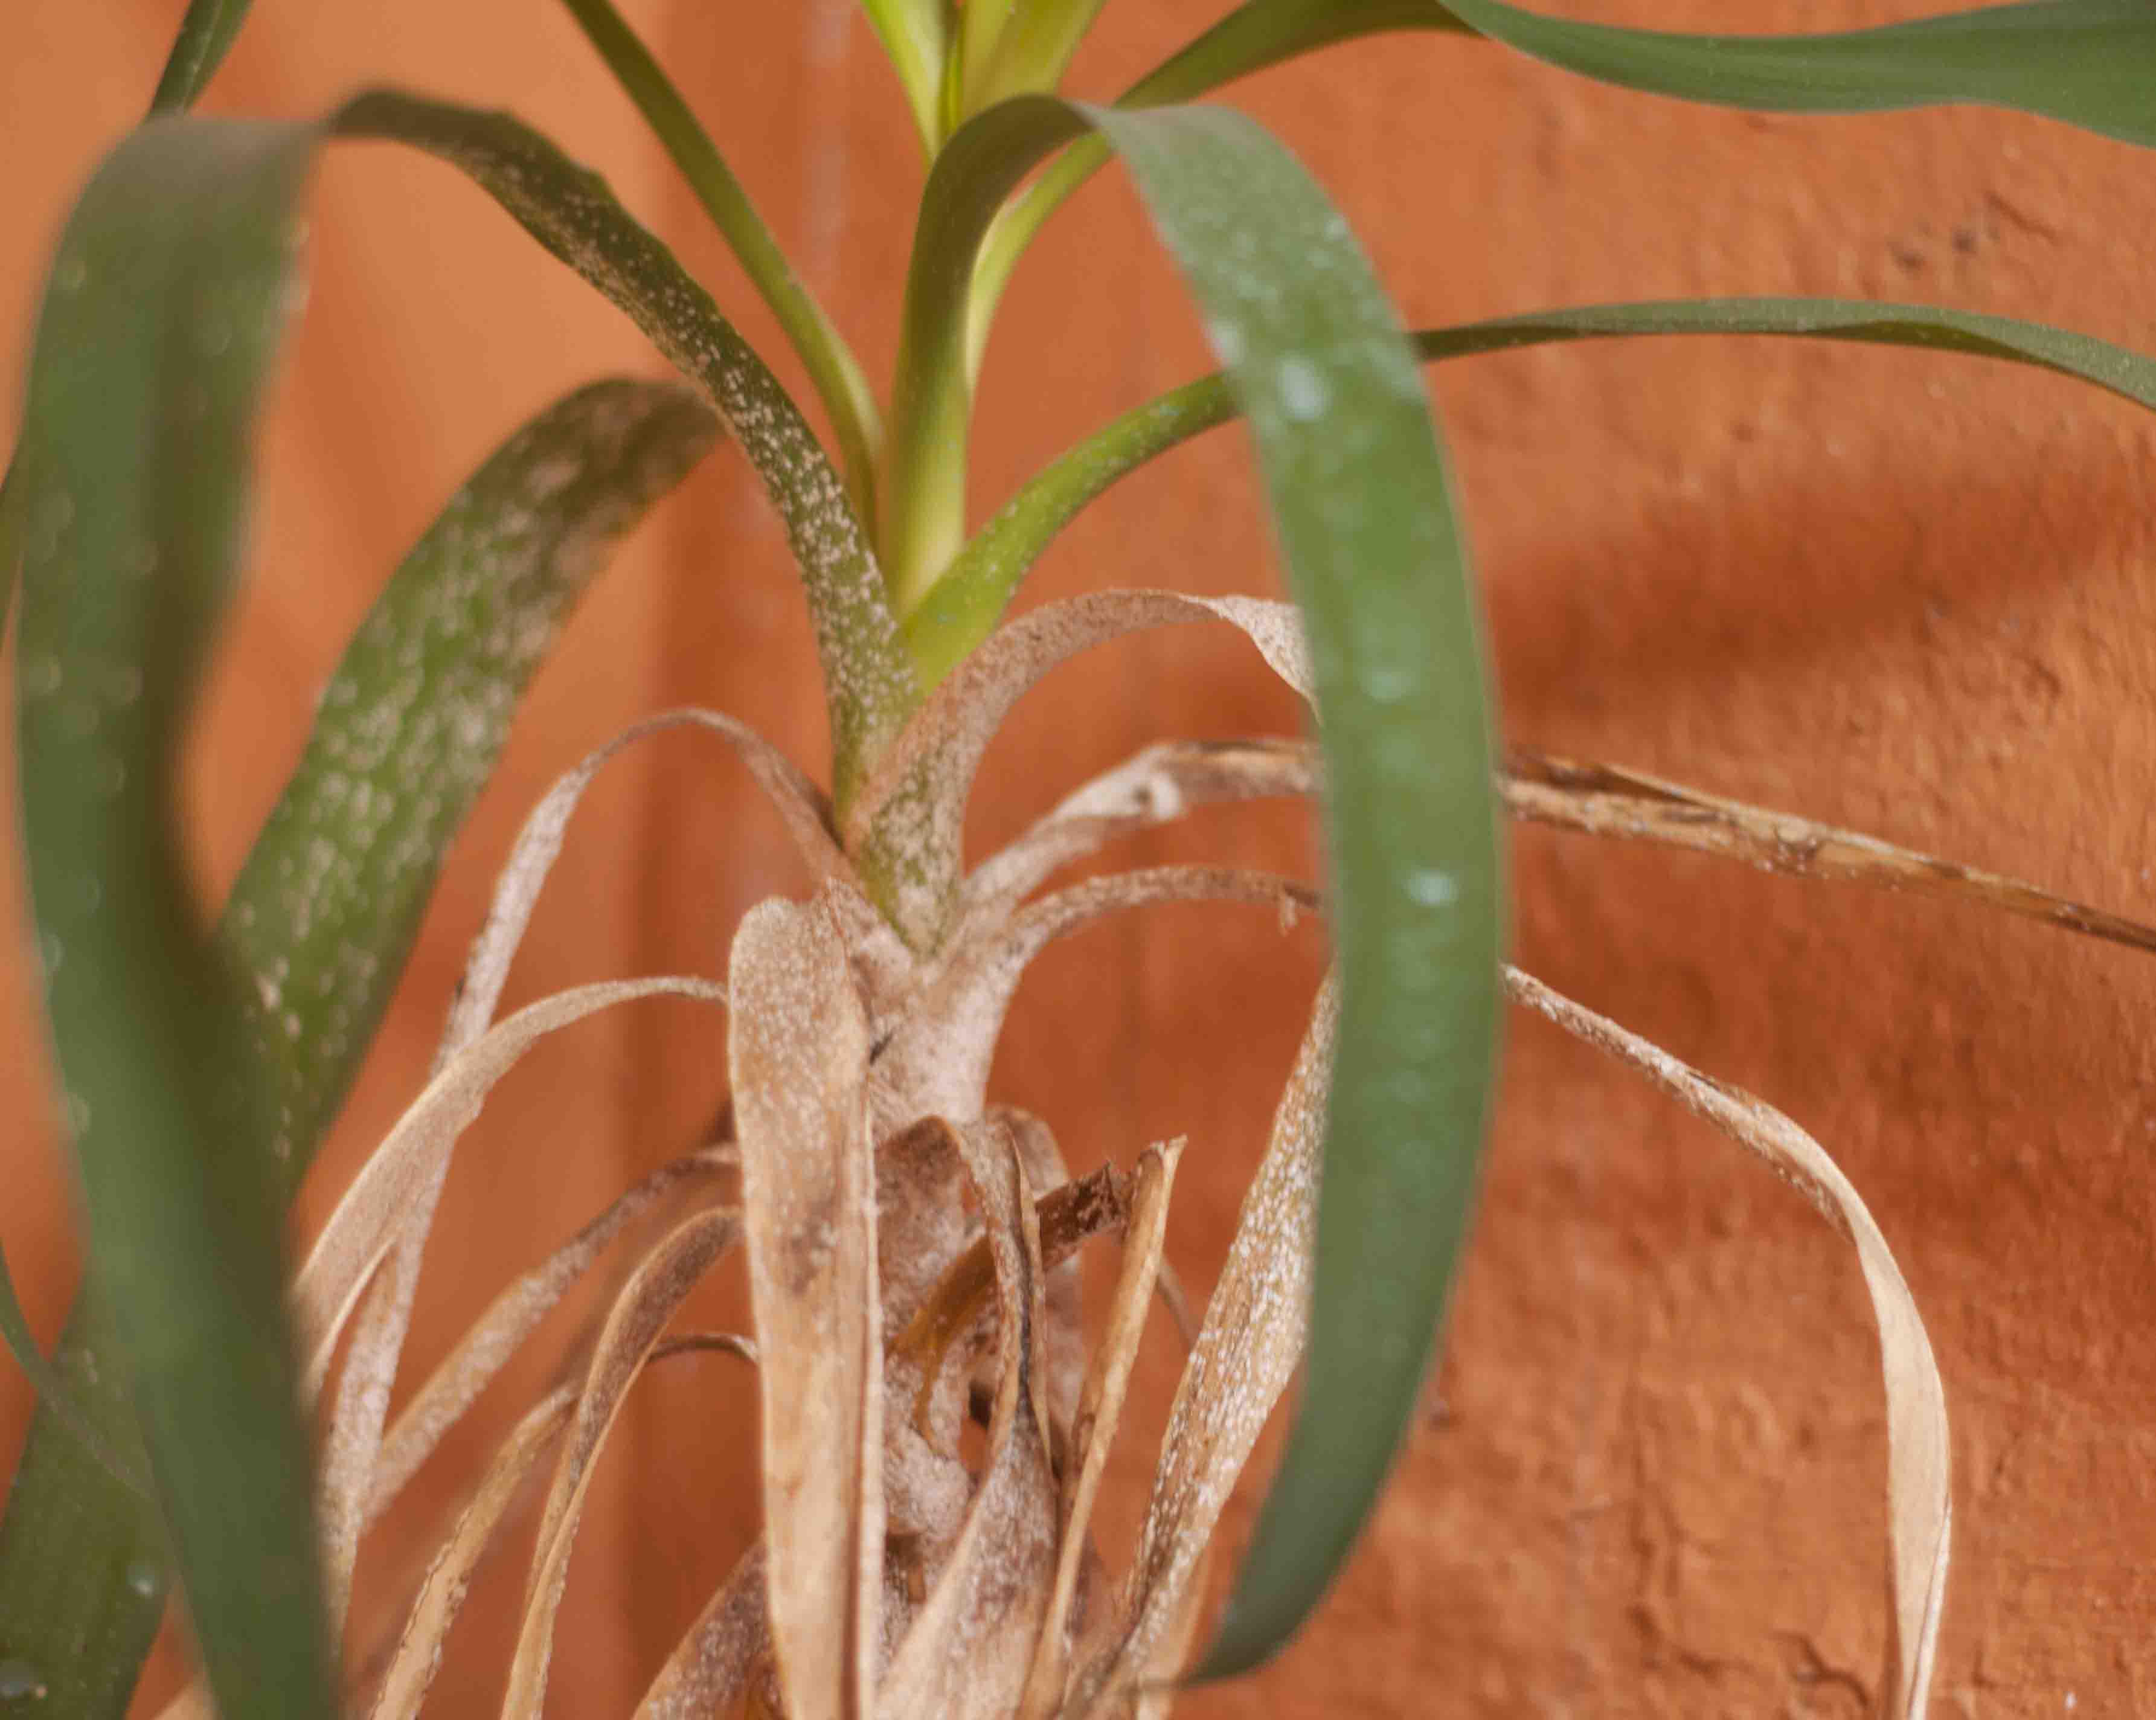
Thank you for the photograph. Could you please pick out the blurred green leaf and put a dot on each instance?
(868, 685)
(206, 36)
(166, 302)
(960, 612)
(324, 911)
(54, 1394)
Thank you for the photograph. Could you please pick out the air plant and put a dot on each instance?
(912, 1247)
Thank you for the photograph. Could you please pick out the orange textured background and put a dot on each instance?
(1904, 593)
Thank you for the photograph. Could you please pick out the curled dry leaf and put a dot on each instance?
(1247, 1349)
(368, 1219)
(1156, 785)
(708, 1670)
(964, 1655)
(1919, 1500)
(383, 1319)
(799, 1051)
(490, 1342)
(387, 1203)
(639, 1315)
(799, 802)
(908, 819)
(1099, 1409)
(937, 1059)
(1604, 800)
(418, 1654)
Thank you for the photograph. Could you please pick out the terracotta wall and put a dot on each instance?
(1904, 593)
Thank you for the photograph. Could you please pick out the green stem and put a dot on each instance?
(924, 484)
(833, 370)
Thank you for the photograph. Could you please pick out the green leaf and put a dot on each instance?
(157, 330)
(915, 40)
(206, 36)
(832, 368)
(931, 395)
(325, 910)
(1361, 502)
(2089, 63)
(55, 1394)
(868, 685)
(958, 613)
(411, 724)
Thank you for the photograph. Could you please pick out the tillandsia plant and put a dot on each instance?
(911, 1245)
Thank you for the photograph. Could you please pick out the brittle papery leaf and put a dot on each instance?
(1603, 800)
(799, 1054)
(1160, 783)
(909, 820)
(1098, 1412)
(369, 1217)
(1252, 1337)
(411, 1669)
(965, 1654)
(869, 682)
(379, 1228)
(1062, 1313)
(798, 801)
(1918, 1457)
(479, 1354)
(646, 1302)
(708, 1670)
(1155, 786)
(937, 1061)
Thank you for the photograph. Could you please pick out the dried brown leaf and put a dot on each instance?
(1919, 1497)
(1063, 1322)
(1099, 1410)
(1247, 1350)
(910, 815)
(1157, 786)
(371, 1216)
(799, 802)
(489, 1342)
(660, 1286)
(937, 1062)
(964, 1655)
(1603, 800)
(799, 1052)
(411, 1671)
(708, 1670)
